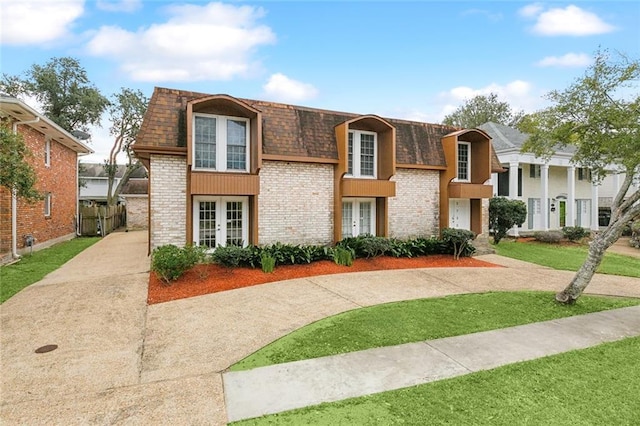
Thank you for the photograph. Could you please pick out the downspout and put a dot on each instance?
(14, 201)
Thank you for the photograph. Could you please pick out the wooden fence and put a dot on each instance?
(100, 220)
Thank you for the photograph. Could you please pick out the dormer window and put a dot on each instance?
(221, 143)
(362, 151)
(464, 161)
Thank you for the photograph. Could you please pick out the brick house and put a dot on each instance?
(224, 170)
(55, 161)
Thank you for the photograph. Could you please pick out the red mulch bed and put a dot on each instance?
(205, 279)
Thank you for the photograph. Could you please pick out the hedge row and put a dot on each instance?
(170, 262)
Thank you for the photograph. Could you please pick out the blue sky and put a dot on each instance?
(417, 60)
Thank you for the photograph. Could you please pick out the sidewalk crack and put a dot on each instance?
(335, 293)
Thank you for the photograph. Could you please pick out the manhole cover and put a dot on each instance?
(46, 348)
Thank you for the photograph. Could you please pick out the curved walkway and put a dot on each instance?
(120, 361)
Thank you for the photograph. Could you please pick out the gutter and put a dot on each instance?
(14, 201)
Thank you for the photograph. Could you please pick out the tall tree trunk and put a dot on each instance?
(597, 249)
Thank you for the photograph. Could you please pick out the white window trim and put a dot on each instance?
(47, 152)
(457, 179)
(221, 211)
(356, 208)
(221, 143)
(357, 155)
(47, 204)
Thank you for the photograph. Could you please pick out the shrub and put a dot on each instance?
(375, 246)
(343, 256)
(234, 256)
(169, 262)
(551, 237)
(634, 241)
(504, 214)
(458, 241)
(574, 233)
(268, 262)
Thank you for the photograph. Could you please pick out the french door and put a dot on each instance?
(220, 221)
(358, 216)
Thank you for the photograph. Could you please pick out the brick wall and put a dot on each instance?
(59, 179)
(137, 211)
(168, 210)
(414, 211)
(295, 203)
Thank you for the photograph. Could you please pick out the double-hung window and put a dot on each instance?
(362, 154)
(221, 143)
(47, 152)
(464, 161)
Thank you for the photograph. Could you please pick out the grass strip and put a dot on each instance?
(423, 319)
(594, 386)
(567, 258)
(33, 267)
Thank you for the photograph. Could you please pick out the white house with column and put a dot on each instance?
(556, 191)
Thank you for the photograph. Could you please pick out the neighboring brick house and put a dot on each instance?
(55, 161)
(224, 170)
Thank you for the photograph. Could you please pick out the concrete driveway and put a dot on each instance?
(120, 361)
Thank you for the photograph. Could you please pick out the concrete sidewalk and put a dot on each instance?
(120, 361)
(276, 388)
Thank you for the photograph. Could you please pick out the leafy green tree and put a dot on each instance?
(15, 172)
(64, 91)
(504, 214)
(482, 109)
(126, 112)
(599, 116)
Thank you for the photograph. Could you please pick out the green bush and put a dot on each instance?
(169, 262)
(504, 214)
(267, 262)
(574, 233)
(458, 241)
(343, 256)
(550, 237)
(234, 256)
(634, 241)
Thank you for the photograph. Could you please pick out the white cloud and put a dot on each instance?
(531, 10)
(119, 5)
(568, 60)
(571, 21)
(211, 42)
(519, 94)
(25, 22)
(284, 89)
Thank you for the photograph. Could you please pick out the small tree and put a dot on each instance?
(126, 112)
(16, 174)
(482, 109)
(599, 116)
(504, 214)
(459, 241)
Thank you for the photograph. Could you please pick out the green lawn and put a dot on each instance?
(595, 386)
(34, 267)
(567, 258)
(423, 319)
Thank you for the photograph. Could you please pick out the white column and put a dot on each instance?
(594, 207)
(571, 196)
(513, 180)
(616, 183)
(494, 183)
(513, 188)
(544, 198)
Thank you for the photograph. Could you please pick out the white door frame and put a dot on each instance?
(355, 215)
(460, 213)
(221, 218)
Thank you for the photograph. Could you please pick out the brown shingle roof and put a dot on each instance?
(290, 130)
